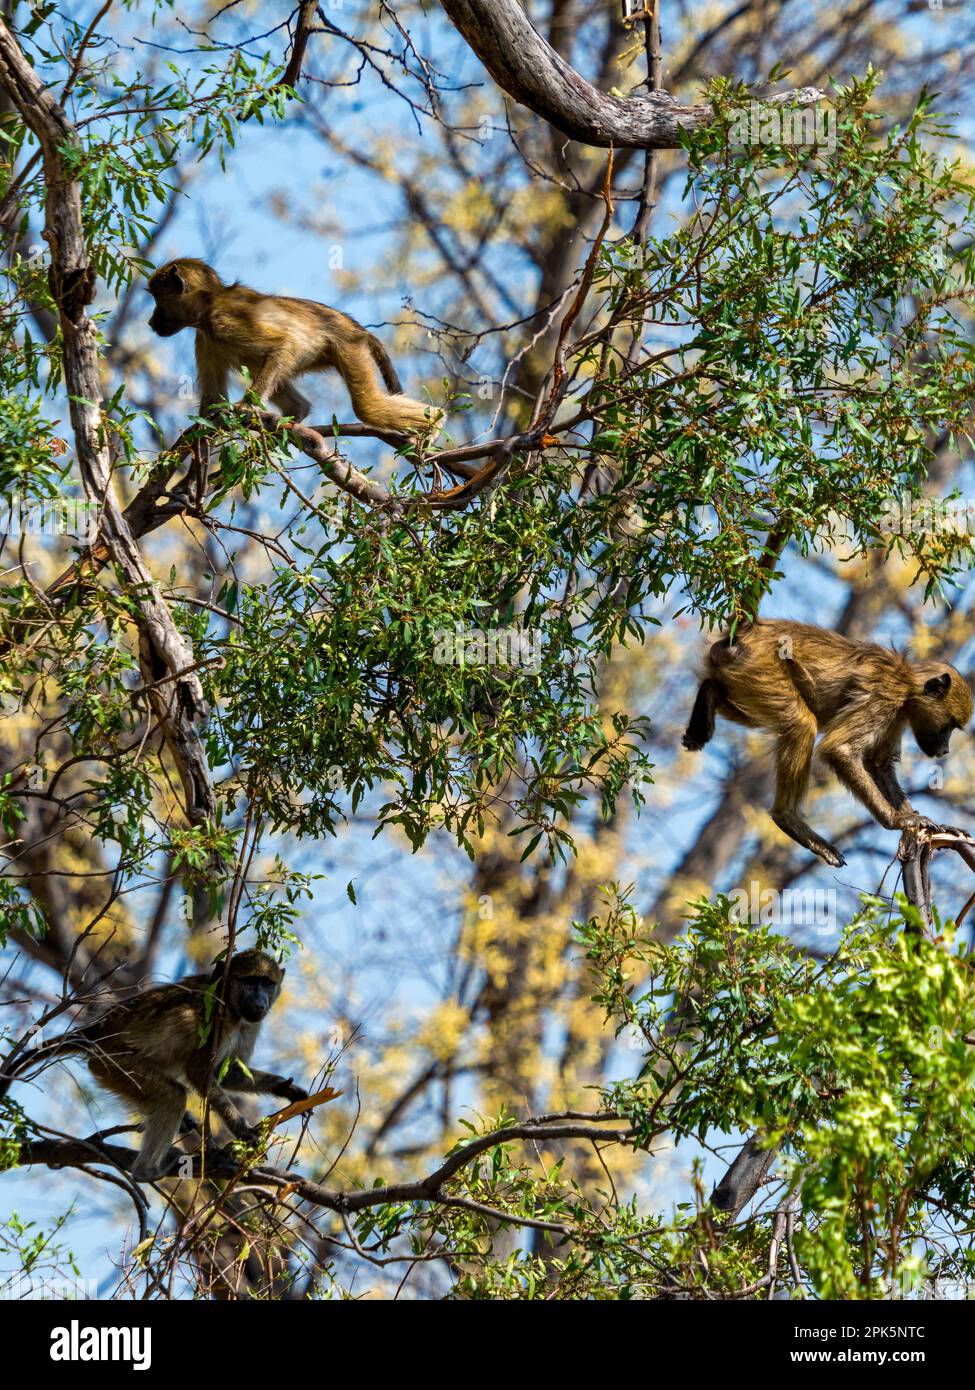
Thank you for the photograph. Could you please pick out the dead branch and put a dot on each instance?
(74, 1153)
(530, 71)
(917, 845)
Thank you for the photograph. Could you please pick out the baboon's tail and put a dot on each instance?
(383, 410)
(386, 369)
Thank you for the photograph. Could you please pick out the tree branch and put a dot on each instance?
(914, 852)
(306, 18)
(531, 72)
(66, 1153)
(743, 1178)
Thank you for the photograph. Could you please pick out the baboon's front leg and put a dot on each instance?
(274, 375)
(262, 1083)
(848, 763)
(700, 728)
(883, 770)
(231, 1116)
(212, 379)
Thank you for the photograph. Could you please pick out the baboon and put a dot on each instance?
(277, 339)
(800, 681)
(151, 1050)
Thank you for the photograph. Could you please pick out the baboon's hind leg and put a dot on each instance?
(161, 1124)
(700, 728)
(291, 402)
(792, 763)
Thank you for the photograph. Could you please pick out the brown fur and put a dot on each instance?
(152, 1050)
(278, 339)
(801, 681)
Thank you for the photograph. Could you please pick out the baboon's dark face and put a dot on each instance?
(944, 705)
(161, 324)
(168, 289)
(255, 983)
(934, 744)
(252, 997)
(169, 316)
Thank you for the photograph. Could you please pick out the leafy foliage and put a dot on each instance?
(858, 1071)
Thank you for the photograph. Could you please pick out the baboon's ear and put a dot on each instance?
(171, 280)
(937, 685)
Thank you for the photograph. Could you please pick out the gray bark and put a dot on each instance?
(530, 71)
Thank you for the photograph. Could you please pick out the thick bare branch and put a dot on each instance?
(306, 18)
(744, 1177)
(914, 852)
(530, 71)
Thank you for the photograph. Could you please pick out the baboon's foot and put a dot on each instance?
(797, 829)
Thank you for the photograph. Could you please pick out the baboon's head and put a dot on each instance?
(941, 704)
(253, 985)
(180, 289)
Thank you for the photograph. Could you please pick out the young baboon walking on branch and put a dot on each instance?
(800, 681)
(277, 339)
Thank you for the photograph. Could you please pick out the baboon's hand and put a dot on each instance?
(289, 1090)
(912, 820)
(249, 412)
(249, 1135)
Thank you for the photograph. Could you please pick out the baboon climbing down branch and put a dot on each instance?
(801, 682)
